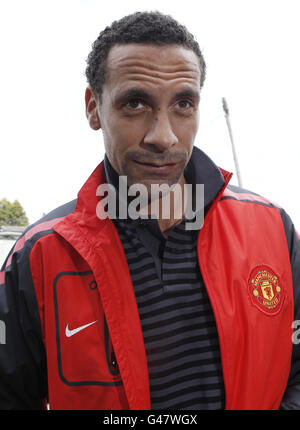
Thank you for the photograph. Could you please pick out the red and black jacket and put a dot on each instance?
(69, 270)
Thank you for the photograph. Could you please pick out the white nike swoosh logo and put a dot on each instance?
(70, 333)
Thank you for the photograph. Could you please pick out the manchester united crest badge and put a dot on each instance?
(265, 290)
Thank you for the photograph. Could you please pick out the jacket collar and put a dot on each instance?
(199, 170)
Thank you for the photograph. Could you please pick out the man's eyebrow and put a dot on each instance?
(188, 93)
(131, 93)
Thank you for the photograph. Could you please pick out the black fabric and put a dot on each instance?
(23, 370)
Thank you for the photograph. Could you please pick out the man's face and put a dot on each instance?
(149, 111)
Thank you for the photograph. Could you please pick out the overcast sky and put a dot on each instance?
(251, 49)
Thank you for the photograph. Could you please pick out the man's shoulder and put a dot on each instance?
(49, 220)
(244, 199)
(244, 195)
(39, 229)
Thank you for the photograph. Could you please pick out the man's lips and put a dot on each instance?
(151, 163)
(155, 167)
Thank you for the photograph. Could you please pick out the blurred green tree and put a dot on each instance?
(12, 213)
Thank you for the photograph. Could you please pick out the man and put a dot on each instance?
(120, 313)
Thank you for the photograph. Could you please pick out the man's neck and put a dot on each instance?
(175, 203)
(199, 170)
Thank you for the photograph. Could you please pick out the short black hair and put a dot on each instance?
(140, 27)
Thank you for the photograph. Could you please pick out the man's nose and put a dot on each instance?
(160, 136)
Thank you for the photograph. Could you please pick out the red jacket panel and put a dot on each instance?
(239, 240)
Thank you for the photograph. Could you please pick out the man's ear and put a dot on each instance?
(91, 108)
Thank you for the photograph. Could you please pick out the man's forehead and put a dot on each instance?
(156, 60)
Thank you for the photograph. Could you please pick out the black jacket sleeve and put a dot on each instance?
(23, 379)
(291, 399)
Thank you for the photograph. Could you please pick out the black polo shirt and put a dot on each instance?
(177, 320)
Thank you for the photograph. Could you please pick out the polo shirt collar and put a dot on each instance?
(199, 170)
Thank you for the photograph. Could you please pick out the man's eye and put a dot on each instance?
(134, 104)
(184, 104)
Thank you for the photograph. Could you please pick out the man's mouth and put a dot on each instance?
(155, 167)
